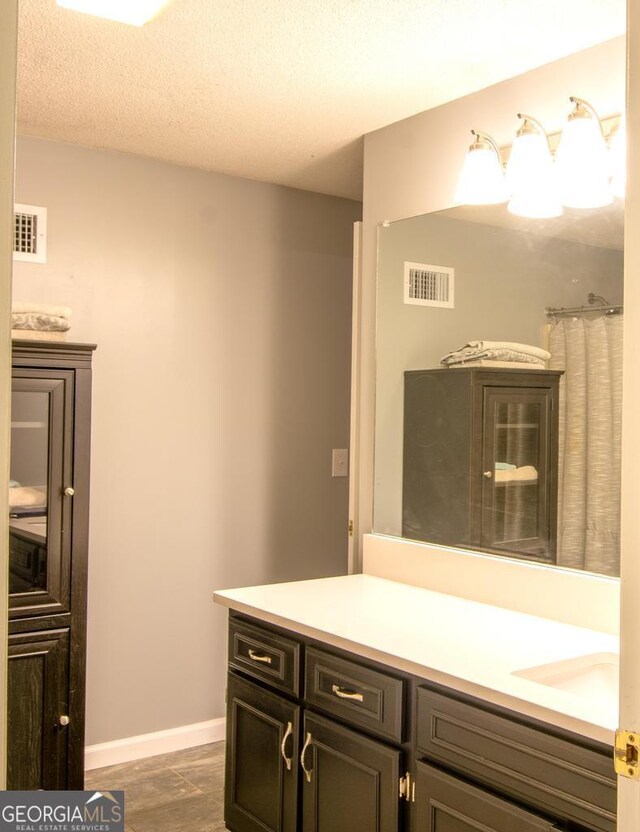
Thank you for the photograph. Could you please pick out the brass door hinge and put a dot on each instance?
(408, 788)
(350, 529)
(626, 752)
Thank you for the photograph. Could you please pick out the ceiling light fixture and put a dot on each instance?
(582, 160)
(133, 12)
(530, 173)
(481, 179)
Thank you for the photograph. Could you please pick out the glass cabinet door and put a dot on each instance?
(39, 510)
(516, 513)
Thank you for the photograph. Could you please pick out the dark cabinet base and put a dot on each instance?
(352, 781)
(261, 782)
(37, 694)
(448, 804)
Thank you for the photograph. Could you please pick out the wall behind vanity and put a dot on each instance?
(221, 310)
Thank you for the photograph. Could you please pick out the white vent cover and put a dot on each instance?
(30, 233)
(428, 285)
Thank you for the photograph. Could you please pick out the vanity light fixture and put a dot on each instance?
(530, 173)
(618, 152)
(582, 159)
(482, 179)
(133, 12)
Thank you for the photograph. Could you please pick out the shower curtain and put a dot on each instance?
(590, 353)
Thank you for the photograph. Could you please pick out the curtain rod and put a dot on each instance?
(583, 310)
(596, 304)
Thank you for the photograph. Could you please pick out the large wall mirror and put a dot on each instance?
(512, 446)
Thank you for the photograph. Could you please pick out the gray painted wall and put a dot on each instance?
(221, 308)
(504, 279)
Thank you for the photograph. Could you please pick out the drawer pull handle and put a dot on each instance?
(287, 734)
(307, 743)
(257, 657)
(347, 694)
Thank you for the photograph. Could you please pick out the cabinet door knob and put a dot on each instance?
(307, 772)
(488, 474)
(63, 721)
(69, 492)
(287, 734)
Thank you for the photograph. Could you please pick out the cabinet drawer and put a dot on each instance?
(265, 655)
(354, 693)
(570, 781)
(447, 804)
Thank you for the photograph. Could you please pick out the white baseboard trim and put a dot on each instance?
(148, 745)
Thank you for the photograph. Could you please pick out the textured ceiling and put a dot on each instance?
(280, 90)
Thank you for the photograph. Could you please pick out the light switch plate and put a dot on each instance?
(340, 462)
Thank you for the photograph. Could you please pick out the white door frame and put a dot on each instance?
(8, 62)
(354, 552)
(629, 790)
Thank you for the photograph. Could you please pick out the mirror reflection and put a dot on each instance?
(499, 382)
(28, 491)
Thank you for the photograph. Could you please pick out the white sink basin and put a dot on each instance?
(594, 676)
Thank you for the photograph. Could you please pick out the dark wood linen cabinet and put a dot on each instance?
(48, 543)
(480, 459)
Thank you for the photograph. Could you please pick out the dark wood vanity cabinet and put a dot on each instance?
(346, 744)
(48, 541)
(298, 759)
(480, 459)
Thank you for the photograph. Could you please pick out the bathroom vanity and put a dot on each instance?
(356, 703)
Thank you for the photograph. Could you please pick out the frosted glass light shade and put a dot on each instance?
(481, 179)
(133, 12)
(582, 164)
(618, 158)
(530, 178)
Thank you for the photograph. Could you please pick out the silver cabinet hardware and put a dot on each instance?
(347, 694)
(488, 474)
(257, 657)
(287, 734)
(63, 721)
(69, 492)
(306, 745)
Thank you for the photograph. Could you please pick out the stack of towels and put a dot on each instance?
(497, 354)
(40, 321)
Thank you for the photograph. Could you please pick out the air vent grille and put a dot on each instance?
(428, 285)
(30, 233)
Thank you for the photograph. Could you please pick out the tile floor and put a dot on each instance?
(178, 792)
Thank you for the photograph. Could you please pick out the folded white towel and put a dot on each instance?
(39, 321)
(467, 354)
(25, 495)
(526, 473)
(514, 346)
(41, 309)
(533, 364)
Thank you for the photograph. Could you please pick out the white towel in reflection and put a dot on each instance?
(26, 495)
(526, 473)
(528, 349)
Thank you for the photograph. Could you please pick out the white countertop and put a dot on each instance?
(465, 645)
